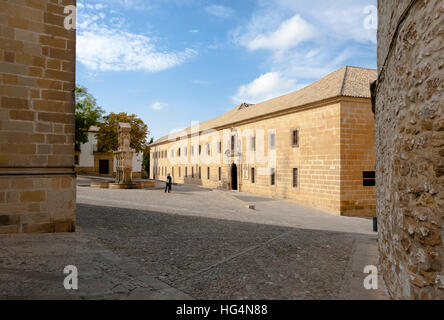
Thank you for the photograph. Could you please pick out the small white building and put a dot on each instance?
(90, 161)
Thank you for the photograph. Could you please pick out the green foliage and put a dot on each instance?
(87, 114)
(146, 159)
(108, 138)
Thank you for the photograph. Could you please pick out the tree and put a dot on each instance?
(146, 159)
(88, 114)
(107, 136)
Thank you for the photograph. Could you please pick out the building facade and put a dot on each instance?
(314, 146)
(91, 161)
(37, 82)
(410, 148)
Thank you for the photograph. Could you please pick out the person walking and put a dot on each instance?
(168, 184)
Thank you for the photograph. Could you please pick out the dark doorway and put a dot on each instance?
(104, 166)
(234, 176)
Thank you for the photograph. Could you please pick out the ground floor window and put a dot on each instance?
(179, 173)
(192, 172)
(208, 173)
(273, 177)
(186, 172)
(220, 173)
(253, 178)
(295, 177)
(200, 172)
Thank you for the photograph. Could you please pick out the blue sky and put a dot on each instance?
(176, 61)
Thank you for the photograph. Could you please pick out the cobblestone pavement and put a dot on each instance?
(192, 244)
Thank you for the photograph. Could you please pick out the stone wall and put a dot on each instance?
(37, 80)
(410, 147)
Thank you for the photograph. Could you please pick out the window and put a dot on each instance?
(186, 151)
(76, 160)
(220, 173)
(295, 138)
(192, 150)
(295, 177)
(233, 142)
(208, 173)
(192, 172)
(186, 172)
(253, 143)
(178, 152)
(273, 177)
(200, 172)
(200, 149)
(272, 141)
(208, 149)
(369, 178)
(219, 146)
(253, 178)
(179, 172)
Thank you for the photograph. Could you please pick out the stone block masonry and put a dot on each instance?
(37, 82)
(410, 147)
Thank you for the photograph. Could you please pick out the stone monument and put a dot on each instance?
(124, 155)
(124, 164)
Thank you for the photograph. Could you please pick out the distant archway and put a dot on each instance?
(234, 177)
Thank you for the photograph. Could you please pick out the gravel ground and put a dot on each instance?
(192, 243)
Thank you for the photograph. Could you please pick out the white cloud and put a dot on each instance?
(267, 86)
(193, 31)
(289, 34)
(107, 45)
(159, 105)
(219, 11)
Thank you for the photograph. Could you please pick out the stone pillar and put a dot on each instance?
(410, 147)
(37, 80)
(124, 155)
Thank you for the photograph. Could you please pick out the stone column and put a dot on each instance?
(410, 147)
(37, 81)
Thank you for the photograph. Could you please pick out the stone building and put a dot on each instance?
(314, 146)
(37, 80)
(410, 147)
(90, 160)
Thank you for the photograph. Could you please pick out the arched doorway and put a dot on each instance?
(234, 177)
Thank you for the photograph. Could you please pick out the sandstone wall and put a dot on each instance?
(37, 79)
(335, 146)
(410, 147)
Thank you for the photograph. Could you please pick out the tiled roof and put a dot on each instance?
(346, 82)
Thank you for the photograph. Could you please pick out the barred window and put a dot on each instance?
(295, 177)
(369, 178)
(295, 138)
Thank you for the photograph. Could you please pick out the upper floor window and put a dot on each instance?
(233, 143)
(253, 143)
(295, 138)
(208, 149)
(200, 149)
(272, 141)
(192, 150)
(219, 146)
